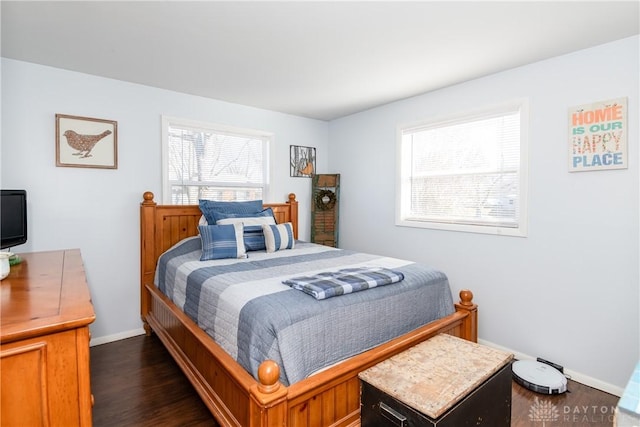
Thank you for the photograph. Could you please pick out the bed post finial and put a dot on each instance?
(148, 198)
(466, 297)
(292, 197)
(268, 374)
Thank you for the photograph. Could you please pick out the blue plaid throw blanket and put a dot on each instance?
(348, 280)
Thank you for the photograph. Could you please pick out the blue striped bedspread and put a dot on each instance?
(244, 306)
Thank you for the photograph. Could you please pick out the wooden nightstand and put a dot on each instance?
(44, 350)
(444, 381)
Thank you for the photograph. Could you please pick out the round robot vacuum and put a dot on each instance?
(539, 377)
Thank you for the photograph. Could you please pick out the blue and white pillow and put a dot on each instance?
(221, 216)
(253, 235)
(222, 241)
(210, 208)
(278, 237)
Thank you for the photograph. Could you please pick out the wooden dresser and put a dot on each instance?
(44, 347)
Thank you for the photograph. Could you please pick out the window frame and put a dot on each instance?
(216, 128)
(403, 194)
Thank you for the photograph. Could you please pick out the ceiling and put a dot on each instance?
(321, 60)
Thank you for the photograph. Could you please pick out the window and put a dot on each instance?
(465, 173)
(208, 161)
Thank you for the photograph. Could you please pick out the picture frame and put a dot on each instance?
(86, 142)
(598, 136)
(302, 161)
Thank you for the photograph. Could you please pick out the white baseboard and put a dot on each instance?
(116, 337)
(575, 376)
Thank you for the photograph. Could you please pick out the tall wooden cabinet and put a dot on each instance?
(44, 347)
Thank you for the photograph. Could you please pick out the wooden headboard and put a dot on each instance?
(162, 226)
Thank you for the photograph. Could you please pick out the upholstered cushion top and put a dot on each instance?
(434, 375)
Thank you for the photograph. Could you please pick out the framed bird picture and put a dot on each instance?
(85, 142)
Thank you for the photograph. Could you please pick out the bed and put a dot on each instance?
(238, 395)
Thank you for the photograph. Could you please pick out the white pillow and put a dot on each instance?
(254, 220)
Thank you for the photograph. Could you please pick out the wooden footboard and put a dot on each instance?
(234, 397)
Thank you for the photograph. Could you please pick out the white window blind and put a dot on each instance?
(465, 173)
(208, 161)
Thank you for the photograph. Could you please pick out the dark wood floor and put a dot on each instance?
(135, 382)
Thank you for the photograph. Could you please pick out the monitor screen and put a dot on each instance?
(13, 218)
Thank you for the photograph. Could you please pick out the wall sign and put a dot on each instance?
(598, 136)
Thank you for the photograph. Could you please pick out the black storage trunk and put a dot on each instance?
(488, 405)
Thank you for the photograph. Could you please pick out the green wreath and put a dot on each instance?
(325, 200)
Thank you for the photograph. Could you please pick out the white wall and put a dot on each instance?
(569, 291)
(98, 210)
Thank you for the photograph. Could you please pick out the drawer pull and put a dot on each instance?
(392, 415)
